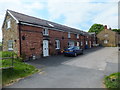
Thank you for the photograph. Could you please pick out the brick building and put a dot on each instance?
(33, 36)
(107, 37)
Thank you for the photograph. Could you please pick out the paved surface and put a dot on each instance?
(84, 71)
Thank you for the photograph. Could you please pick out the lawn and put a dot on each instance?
(112, 81)
(0, 54)
(20, 70)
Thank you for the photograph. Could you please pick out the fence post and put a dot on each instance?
(12, 59)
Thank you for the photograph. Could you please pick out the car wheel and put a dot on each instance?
(75, 54)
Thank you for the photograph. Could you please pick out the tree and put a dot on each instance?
(116, 30)
(96, 28)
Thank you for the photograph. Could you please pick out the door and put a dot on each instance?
(45, 48)
(90, 44)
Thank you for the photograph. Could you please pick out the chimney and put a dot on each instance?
(110, 28)
(105, 27)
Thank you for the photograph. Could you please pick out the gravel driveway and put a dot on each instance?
(84, 71)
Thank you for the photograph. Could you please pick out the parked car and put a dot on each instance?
(73, 50)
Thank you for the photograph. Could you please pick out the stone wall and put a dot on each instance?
(109, 35)
(10, 34)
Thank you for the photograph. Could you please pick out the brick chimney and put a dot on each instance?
(110, 28)
(105, 27)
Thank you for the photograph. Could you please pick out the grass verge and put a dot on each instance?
(20, 70)
(112, 81)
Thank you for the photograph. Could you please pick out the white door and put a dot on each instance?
(90, 44)
(45, 48)
(77, 43)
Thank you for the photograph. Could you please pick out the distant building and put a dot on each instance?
(107, 37)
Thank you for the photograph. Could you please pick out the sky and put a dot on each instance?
(79, 14)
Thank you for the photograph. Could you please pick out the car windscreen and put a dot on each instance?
(70, 47)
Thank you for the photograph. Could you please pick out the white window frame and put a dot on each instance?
(78, 44)
(8, 23)
(10, 45)
(57, 44)
(81, 43)
(45, 32)
(105, 41)
(106, 35)
(71, 43)
(86, 42)
(77, 36)
(69, 36)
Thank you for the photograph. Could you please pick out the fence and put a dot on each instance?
(0, 48)
(9, 64)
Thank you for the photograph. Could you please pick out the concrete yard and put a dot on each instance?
(83, 71)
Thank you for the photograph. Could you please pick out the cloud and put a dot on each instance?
(108, 17)
(79, 14)
(23, 6)
(82, 14)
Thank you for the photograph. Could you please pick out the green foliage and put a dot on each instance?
(116, 30)
(20, 70)
(96, 28)
(112, 81)
(8, 54)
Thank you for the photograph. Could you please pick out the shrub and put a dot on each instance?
(8, 54)
(112, 81)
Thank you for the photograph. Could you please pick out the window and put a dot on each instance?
(71, 43)
(77, 36)
(69, 35)
(57, 44)
(10, 45)
(106, 35)
(45, 31)
(50, 25)
(86, 42)
(81, 43)
(77, 48)
(8, 24)
(77, 43)
(105, 41)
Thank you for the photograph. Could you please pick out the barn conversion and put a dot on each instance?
(27, 35)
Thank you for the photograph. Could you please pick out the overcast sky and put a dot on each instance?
(80, 14)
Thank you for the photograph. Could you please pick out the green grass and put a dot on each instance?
(5, 63)
(19, 70)
(112, 81)
(0, 54)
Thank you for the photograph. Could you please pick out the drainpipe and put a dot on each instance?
(19, 37)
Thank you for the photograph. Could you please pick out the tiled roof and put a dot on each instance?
(41, 22)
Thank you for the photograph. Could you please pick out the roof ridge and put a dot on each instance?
(47, 21)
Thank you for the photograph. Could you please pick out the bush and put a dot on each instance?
(112, 81)
(8, 54)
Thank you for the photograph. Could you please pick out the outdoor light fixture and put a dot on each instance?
(23, 37)
(15, 40)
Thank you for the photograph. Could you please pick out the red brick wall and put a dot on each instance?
(34, 39)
